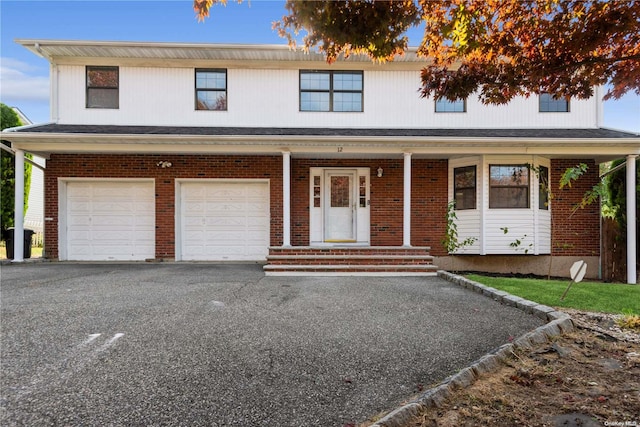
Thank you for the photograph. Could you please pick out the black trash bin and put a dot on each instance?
(9, 240)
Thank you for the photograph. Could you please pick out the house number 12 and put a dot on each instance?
(339, 149)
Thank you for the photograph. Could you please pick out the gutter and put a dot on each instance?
(487, 141)
(29, 126)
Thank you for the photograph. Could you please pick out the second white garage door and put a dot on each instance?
(224, 221)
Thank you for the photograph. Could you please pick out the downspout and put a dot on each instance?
(631, 220)
(53, 93)
(18, 213)
(286, 199)
(599, 107)
(406, 211)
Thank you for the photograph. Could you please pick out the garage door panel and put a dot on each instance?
(110, 220)
(79, 206)
(229, 237)
(144, 222)
(110, 237)
(79, 190)
(114, 207)
(225, 206)
(79, 220)
(193, 223)
(78, 251)
(195, 207)
(80, 236)
(224, 220)
(256, 209)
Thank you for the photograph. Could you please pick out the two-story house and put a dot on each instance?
(181, 152)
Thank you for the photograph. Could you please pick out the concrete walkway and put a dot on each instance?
(213, 345)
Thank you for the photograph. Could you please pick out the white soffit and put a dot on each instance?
(72, 51)
(324, 145)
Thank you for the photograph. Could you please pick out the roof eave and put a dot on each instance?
(78, 142)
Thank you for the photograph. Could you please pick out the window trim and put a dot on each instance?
(528, 186)
(464, 105)
(566, 99)
(197, 89)
(475, 187)
(543, 204)
(331, 90)
(87, 87)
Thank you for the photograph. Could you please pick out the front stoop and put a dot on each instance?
(349, 261)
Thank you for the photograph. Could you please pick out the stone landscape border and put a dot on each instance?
(557, 324)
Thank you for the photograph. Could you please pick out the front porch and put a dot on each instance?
(350, 260)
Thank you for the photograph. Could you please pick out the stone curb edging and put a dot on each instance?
(557, 324)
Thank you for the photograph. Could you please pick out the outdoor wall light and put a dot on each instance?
(380, 170)
(164, 164)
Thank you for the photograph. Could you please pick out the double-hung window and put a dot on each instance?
(508, 186)
(464, 187)
(102, 87)
(443, 105)
(338, 91)
(549, 104)
(211, 89)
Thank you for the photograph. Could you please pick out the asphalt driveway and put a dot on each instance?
(223, 345)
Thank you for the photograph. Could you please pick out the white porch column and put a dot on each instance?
(18, 218)
(631, 220)
(406, 217)
(286, 198)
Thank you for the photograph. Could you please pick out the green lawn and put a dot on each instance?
(588, 296)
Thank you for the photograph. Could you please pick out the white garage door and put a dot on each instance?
(224, 221)
(110, 220)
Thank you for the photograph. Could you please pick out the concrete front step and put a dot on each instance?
(361, 260)
(348, 250)
(349, 260)
(350, 270)
(333, 256)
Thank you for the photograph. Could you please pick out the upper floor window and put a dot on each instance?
(549, 104)
(443, 105)
(508, 186)
(102, 87)
(331, 90)
(464, 187)
(211, 89)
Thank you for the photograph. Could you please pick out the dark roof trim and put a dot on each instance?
(346, 132)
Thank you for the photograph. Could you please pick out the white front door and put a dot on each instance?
(340, 206)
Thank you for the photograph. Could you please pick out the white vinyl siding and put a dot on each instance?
(531, 226)
(108, 220)
(222, 220)
(153, 96)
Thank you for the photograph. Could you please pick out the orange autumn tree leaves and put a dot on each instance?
(497, 49)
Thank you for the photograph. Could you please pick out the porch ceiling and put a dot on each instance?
(602, 144)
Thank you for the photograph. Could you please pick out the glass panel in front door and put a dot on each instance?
(339, 211)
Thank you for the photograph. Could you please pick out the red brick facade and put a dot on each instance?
(428, 203)
(145, 166)
(575, 232)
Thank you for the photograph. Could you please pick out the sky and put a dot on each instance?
(24, 77)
